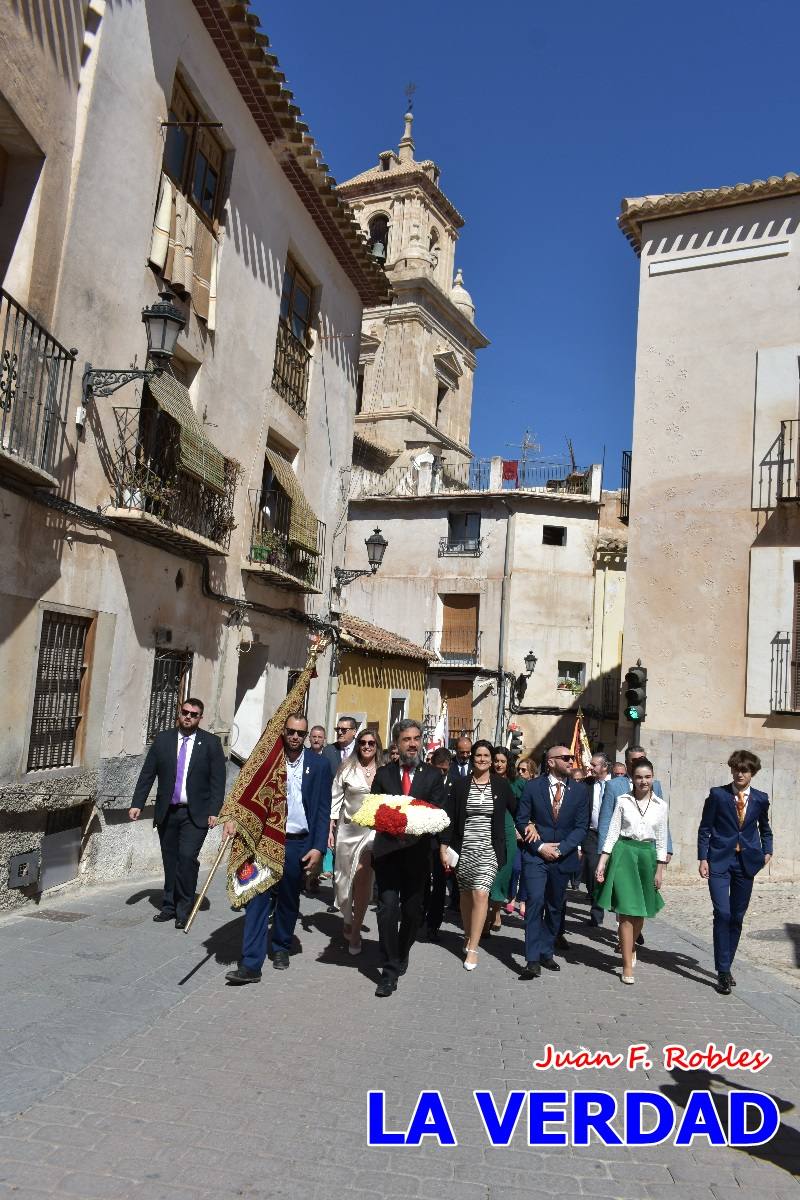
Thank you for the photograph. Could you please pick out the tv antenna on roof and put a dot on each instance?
(410, 90)
(529, 445)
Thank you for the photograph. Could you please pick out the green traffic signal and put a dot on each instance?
(633, 713)
(636, 694)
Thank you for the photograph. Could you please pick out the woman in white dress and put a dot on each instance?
(352, 844)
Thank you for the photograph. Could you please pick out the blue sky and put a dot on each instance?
(542, 116)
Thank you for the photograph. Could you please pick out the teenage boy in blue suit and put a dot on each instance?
(308, 814)
(553, 818)
(734, 842)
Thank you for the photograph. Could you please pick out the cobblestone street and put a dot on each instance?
(129, 1068)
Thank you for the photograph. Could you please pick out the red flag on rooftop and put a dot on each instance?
(510, 470)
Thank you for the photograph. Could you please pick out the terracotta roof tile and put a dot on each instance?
(361, 635)
(638, 209)
(234, 29)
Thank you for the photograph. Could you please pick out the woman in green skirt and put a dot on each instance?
(636, 845)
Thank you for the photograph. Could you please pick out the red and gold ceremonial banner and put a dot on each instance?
(257, 801)
(580, 744)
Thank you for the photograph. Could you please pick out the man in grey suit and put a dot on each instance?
(189, 764)
(336, 752)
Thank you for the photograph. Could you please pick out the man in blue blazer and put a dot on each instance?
(553, 817)
(308, 814)
(734, 842)
(189, 765)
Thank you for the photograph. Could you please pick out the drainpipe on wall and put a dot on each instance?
(501, 675)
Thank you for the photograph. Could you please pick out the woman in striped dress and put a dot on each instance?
(477, 809)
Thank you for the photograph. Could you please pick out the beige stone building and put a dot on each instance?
(486, 560)
(713, 606)
(178, 533)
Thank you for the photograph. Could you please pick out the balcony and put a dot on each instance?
(463, 548)
(784, 676)
(779, 479)
(458, 730)
(479, 475)
(625, 488)
(290, 370)
(454, 647)
(35, 381)
(157, 498)
(280, 550)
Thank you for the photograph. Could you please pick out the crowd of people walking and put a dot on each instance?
(518, 833)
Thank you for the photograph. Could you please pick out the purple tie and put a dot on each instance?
(180, 771)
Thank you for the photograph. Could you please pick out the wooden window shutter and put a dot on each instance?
(458, 694)
(459, 624)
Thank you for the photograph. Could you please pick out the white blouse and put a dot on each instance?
(648, 824)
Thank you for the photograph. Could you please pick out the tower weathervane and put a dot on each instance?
(410, 90)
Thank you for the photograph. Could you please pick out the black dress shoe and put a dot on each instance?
(280, 960)
(724, 983)
(640, 940)
(164, 916)
(243, 975)
(386, 985)
(403, 966)
(550, 964)
(531, 971)
(179, 924)
(561, 942)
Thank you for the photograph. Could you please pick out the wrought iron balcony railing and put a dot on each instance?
(625, 488)
(35, 380)
(149, 482)
(290, 370)
(274, 549)
(779, 478)
(460, 547)
(784, 676)
(455, 646)
(455, 731)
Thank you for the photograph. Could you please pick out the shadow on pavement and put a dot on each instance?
(223, 945)
(153, 896)
(783, 1150)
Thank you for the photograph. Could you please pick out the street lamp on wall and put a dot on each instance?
(163, 321)
(521, 682)
(376, 545)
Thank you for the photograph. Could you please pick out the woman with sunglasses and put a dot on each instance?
(352, 844)
(477, 807)
(503, 767)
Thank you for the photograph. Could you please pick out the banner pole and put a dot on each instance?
(207, 884)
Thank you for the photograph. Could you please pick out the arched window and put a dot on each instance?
(379, 236)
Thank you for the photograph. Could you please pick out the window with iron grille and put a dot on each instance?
(60, 680)
(172, 681)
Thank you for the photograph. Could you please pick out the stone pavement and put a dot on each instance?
(128, 1069)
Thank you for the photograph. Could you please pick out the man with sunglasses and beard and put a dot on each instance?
(189, 764)
(553, 818)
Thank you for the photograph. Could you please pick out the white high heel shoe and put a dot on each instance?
(468, 966)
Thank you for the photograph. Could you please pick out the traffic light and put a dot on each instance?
(636, 694)
(516, 741)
